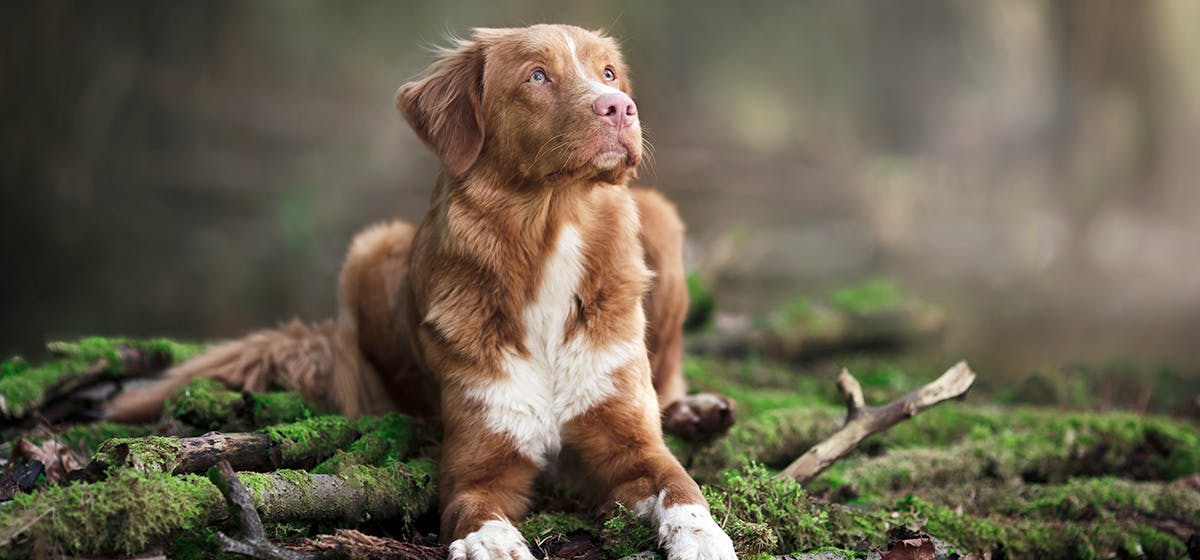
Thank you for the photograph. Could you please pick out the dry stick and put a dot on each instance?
(254, 542)
(862, 421)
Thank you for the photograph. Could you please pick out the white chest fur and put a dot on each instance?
(558, 379)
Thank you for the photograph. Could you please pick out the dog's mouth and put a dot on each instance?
(604, 159)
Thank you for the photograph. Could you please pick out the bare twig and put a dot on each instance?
(254, 542)
(863, 421)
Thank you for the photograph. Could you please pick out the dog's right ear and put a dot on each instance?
(445, 108)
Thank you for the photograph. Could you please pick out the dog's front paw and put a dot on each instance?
(495, 540)
(699, 417)
(688, 532)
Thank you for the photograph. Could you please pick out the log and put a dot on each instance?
(863, 421)
(132, 512)
(297, 445)
(247, 452)
(25, 389)
(824, 331)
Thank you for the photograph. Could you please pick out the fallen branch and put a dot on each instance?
(46, 388)
(254, 542)
(862, 420)
(247, 452)
(131, 512)
(297, 445)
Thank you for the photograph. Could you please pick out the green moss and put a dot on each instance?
(308, 441)
(799, 323)
(1104, 498)
(284, 532)
(93, 348)
(385, 439)
(122, 516)
(300, 479)
(872, 296)
(198, 545)
(151, 454)
(1052, 451)
(410, 485)
(1040, 539)
(774, 438)
(256, 483)
(205, 404)
(763, 514)
(276, 407)
(23, 386)
(209, 405)
(757, 387)
(701, 303)
(1118, 384)
(86, 438)
(625, 534)
(540, 529)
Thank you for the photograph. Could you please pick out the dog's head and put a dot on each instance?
(545, 104)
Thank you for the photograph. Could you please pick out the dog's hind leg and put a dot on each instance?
(690, 416)
(376, 370)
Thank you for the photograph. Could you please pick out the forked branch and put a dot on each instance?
(862, 421)
(254, 542)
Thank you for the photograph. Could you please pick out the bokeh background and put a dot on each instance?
(196, 168)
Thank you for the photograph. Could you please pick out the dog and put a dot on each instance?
(538, 305)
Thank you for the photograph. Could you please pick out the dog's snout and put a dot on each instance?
(616, 108)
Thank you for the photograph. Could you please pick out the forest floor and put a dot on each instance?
(998, 474)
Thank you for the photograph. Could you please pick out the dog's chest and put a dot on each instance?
(563, 373)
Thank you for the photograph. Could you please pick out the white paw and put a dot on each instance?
(688, 532)
(495, 540)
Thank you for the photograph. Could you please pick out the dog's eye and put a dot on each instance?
(609, 74)
(538, 77)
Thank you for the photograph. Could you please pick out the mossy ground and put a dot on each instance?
(209, 405)
(990, 475)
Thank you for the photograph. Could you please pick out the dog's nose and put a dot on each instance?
(616, 108)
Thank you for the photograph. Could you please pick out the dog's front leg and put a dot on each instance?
(485, 485)
(620, 442)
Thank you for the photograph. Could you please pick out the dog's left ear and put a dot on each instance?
(445, 108)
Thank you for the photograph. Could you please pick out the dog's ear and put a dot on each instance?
(445, 107)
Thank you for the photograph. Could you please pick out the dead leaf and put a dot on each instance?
(58, 458)
(19, 477)
(920, 548)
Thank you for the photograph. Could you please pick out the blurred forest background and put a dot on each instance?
(196, 168)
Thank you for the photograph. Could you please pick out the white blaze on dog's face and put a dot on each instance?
(558, 92)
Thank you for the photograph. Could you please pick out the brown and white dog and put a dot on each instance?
(539, 304)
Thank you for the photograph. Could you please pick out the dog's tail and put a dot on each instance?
(297, 357)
